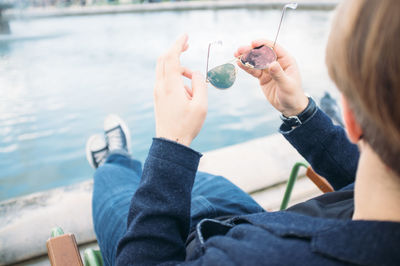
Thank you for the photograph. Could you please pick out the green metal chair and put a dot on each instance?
(318, 180)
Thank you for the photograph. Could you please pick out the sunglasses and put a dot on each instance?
(223, 76)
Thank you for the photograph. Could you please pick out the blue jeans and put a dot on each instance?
(116, 181)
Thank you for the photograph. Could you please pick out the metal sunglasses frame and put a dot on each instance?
(290, 5)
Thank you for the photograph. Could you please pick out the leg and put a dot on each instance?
(215, 196)
(114, 185)
(116, 179)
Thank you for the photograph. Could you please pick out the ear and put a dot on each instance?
(354, 131)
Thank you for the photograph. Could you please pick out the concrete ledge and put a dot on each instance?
(36, 13)
(254, 165)
(259, 165)
(26, 222)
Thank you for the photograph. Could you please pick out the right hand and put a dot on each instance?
(180, 111)
(280, 82)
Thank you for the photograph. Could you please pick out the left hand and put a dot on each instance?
(180, 111)
(280, 82)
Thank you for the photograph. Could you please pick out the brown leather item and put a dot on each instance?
(319, 181)
(63, 250)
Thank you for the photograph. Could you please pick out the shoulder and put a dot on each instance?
(284, 238)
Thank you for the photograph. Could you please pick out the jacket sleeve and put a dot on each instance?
(159, 215)
(327, 148)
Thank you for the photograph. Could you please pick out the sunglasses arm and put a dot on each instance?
(208, 57)
(291, 6)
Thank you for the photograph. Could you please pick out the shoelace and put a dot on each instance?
(115, 140)
(100, 156)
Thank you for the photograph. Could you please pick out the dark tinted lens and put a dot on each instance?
(259, 57)
(223, 76)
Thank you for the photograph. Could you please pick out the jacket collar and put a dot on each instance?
(359, 242)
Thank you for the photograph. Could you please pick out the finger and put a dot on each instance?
(186, 72)
(241, 50)
(185, 47)
(189, 92)
(179, 46)
(199, 88)
(252, 71)
(277, 73)
(171, 58)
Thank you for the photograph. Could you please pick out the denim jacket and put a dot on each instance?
(159, 216)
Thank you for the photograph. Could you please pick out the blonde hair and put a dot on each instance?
(363, 59)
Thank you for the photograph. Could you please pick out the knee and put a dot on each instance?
(104, 171)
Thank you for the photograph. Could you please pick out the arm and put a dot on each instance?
(321, 143)
(159, 215)
(327, 148)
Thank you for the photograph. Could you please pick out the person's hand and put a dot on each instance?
(280, 82)
(180, 111)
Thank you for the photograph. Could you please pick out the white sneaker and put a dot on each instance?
(96, 150)
(117, 133)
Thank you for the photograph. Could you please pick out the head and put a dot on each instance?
(363, 59)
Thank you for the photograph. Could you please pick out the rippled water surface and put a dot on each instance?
(60, 77)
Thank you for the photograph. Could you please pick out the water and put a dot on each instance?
(60, 77)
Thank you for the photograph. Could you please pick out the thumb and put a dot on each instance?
(277, 73)
(199, 88)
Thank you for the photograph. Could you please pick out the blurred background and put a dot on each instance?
(60, 76)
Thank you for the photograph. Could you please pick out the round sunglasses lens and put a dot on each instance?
(223, 76)
(259, 57)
